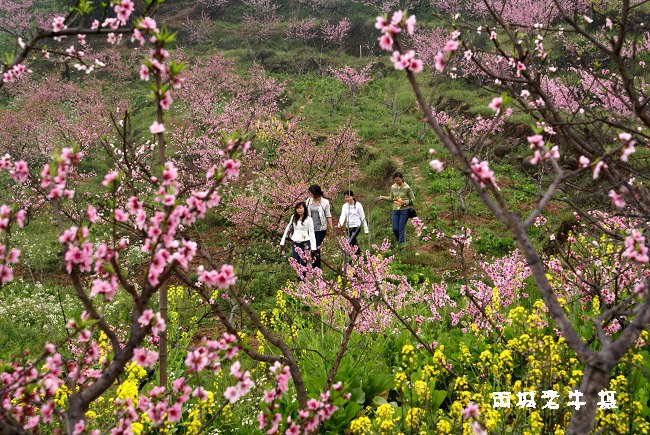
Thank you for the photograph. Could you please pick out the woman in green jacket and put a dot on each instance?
(402, 196)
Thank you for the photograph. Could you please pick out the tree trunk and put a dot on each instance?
(593, 381)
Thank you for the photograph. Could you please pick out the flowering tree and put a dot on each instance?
(353, 78)
(260, 23)
(219, 100)
(603, 139)
(51, 113)
(288, 163)
(335, 34)
(304, 30)
(15, 16)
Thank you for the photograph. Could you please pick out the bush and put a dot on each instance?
(299, 62)
(490, 243)
(379, 173)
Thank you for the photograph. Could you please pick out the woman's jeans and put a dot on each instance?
(320, 235)
(400, 217)
(305, 249)
(352, 237)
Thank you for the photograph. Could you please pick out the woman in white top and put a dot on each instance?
(303, 236)
(352, 216)
(318, 208)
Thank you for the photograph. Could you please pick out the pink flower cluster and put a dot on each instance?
(27, 405)
(209, 355)
(124, 9)
(482, 174)
(353, 78)
(495, 104)
(58, 24)
(223, 279)
(336, 33)
(442, 57)
(507, 276)
(406, 61)
(155, 320)
(145, 357)
(436, 164)
(243, 385)
(157, 65)
(54, 179)
(309, 419)
(162, 405)
(591, 262)
(470, 411)
(635, 247)
(617, 200)
(542, 153)
(369, 279)
(16, 72)
(19, 171)
(391, 28)
(628, 145)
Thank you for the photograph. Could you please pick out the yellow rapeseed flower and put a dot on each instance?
(414, 417)
(137, 428)
(422, 390)
(360, 425)
(465, 354)
(385, 411)
(536, 422)
(443, 427)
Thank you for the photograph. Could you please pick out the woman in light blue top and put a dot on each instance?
(318, 208)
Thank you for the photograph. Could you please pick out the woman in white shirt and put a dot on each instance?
(352, 216)
(303, 236)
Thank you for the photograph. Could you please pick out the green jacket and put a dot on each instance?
(405, 192)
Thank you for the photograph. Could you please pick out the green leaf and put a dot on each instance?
(352, 409)
(8, 58)
(505, 100)
(437, 397)
(645, 411)
(378, 401)
(357, 395)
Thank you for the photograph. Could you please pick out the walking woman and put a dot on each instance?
(303, 236)
(318, 208)
(402, 196)
(352, 215)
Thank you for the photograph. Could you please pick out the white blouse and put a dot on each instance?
(353, 216)
(302, 231)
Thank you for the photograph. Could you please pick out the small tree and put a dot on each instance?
(354, 79)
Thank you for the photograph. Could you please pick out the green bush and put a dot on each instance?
(379, 173)
(295, 62)
(490, 243)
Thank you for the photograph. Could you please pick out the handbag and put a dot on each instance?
(412, 212)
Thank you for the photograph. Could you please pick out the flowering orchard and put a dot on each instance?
(532, 83)
(147, 206)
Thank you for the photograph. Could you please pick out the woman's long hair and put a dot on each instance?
(315, 190)
(350, 193)
(296, 216)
